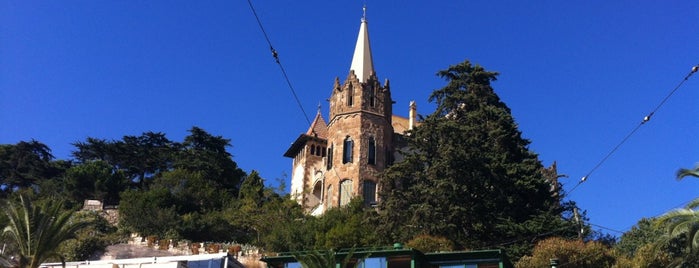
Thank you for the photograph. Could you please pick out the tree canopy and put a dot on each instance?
(468, 173)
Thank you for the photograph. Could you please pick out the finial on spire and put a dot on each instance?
(364, 15)
(318, 107)
(362, 63)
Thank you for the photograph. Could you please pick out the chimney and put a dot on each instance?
(412, 115)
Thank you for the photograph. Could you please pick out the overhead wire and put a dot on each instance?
(275, 55)
(633, 131)
(610, 229)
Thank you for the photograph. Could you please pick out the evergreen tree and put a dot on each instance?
(468, 174)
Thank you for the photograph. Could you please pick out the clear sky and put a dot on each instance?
(578, 76)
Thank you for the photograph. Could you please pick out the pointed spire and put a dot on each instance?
(318, 128)
(362, 62)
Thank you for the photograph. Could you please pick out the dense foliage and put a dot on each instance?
(570, 253)
(466, 181)
(468, 174)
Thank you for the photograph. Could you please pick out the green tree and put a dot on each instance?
(91, 239)
(94, 180)
(328, 259)
(140, 158)
(428, 243)
(345, 227)
(207, 153)
(682, 225)
(570, 253)
(37, 230)
(282, 225)
(150, 212)
(468, 174)
(643, 233)
(26, 164)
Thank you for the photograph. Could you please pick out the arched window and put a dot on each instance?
(329, 162)
(350, 95)
(322, 151)
(372, 96)
(347, 150)
(372, 151)
(345, 192)
(329, 197)
(313, 149)
(369, 193)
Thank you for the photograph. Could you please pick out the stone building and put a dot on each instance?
(337, 160)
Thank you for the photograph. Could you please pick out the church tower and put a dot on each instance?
(342, 159)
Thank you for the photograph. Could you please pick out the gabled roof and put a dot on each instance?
(318, 128)
(317, 131)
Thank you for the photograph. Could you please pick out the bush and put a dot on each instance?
(429, 243)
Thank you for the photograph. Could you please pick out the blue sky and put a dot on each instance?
(578, 76)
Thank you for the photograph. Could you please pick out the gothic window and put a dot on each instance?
(372, 96)
(350, 94)
(329, 200)
(347, 150)
(322, 151)
(389, 158)
(345, 192)
(330, 157)
(369, 189)
(372, 151)
(313, 150)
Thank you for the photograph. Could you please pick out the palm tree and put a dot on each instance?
(684, 172)
(38, 230)
(326, 259)
(683, 223)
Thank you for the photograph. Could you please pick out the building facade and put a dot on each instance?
(399, 257)
(340, 159)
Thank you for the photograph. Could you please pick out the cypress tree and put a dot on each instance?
(467, 174)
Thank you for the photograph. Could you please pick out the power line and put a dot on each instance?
(645, 120)
(275, 55)
(605, 228)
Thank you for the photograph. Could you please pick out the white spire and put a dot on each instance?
(362, 62)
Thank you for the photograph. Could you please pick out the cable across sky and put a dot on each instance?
(633, 131)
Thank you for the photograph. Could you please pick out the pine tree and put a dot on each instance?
(468, 174)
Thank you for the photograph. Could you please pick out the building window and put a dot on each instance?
(329, 164)
(322, 151)
(347, 150)
(329, 197)
(350, 95)
(369, 195)
(389, 158)
(372, 151)
(372, 96)
(345, 192)
(313, 150)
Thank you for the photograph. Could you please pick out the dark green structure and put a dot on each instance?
(398, 257)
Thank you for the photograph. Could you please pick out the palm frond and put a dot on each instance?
(684, 172)
(38, 230)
